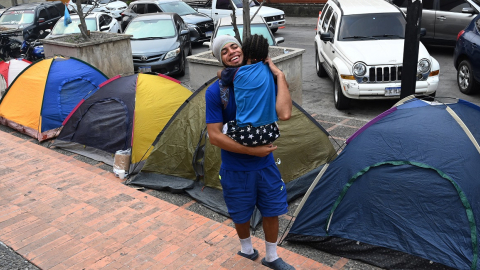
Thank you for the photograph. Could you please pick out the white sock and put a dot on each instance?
(247, 247)
(271, 249)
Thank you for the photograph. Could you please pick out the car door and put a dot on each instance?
(185, 38)
(428, 15)
(54, 15)
(330, 50)
(450, 20)
(43, 21)
(222, 9)
(152, 8)
(475, 49)
(323, 44)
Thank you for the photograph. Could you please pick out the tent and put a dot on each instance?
(403, 194)
(10, 69)
(183, 159)
(42, 96)
(125, 113)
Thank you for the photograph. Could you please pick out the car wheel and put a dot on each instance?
(318, 66)
(465, 80)
(182, 65)
(341, 101)
(274, 30)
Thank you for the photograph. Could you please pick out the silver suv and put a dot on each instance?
(359, 45)
(444, 19)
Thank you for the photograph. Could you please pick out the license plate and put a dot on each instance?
(274, 23)
(208, 34)
(144, 69)
(392, 91)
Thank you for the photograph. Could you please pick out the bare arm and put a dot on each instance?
(221, 140)
(284, 101)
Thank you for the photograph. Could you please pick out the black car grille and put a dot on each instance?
(146, 59)
(385, 74)
(205, 26)
(273, 18)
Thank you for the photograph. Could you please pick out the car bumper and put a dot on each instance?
(167, 67)
(354, 90)
(276, 24)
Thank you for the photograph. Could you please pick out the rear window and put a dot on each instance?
(17, 17)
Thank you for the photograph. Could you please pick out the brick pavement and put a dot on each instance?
(61, 213)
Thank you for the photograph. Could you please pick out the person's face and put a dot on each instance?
(232, 55)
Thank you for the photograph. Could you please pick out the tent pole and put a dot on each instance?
(304, 199)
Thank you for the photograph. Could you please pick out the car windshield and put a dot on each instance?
(72, 28)
(372, 26)
(17, 17)
(239, 3)
(151, 29)
(181, 8)
(104, 1)
(255, 29)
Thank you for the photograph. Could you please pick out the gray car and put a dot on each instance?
(444, 19)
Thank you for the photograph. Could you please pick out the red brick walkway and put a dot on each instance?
(61, 213)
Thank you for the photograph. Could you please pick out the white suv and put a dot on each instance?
(359, 45)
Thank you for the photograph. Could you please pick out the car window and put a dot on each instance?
(152, 8)
(323, 12)
(42, 14)
(53, 11)
(454, 5)
(151, 29)
(258, 29)
(372, 26)
(17, 17)
(61, 29)
(179, 7)
(326, 19)
(108, 19)
(139, 8)
(332, 25)
(222, 4)
(477, 24)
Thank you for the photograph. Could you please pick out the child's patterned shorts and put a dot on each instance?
(252, 136)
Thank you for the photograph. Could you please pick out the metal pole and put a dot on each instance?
(410, 51)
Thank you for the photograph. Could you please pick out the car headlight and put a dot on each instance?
(359, 69)
(282, 16)
(172, 53)
(423, 66)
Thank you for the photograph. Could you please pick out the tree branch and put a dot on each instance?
(261, 4)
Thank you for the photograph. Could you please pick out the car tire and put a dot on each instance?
(321, 72)
(465, 80)
(274, 30)
(182, 65)
(341, 101)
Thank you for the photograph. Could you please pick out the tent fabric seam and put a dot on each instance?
(461, 194)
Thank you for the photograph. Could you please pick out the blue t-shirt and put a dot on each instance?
(216, 112)
(255, 94)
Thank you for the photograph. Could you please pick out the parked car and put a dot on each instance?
(96, 21)
(217, 9)
(359, 45)
(112, 7)
(2, 9)
(257, 26)
(161, 42)
(466, 58)
(200, 25)
(443, 19)
(32, 19)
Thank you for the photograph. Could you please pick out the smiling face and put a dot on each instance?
(232, 55)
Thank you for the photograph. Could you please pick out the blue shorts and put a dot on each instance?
(242, 190)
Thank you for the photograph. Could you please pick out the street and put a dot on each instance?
(318, 92)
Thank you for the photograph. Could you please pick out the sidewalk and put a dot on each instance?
(61, 213)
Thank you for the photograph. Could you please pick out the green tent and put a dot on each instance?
(183, 159)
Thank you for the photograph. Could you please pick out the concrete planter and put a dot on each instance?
(204, 66)
(110, 53)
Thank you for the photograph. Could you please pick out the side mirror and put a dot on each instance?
(184, 32)
(326, 37)
(279, 40)
(468, 10)
(41, 20)
(105, 27)
(207, 43)
(423, 32)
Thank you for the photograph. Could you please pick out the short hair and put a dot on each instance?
(255, 48)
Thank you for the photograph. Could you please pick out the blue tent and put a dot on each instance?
(404, 193)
